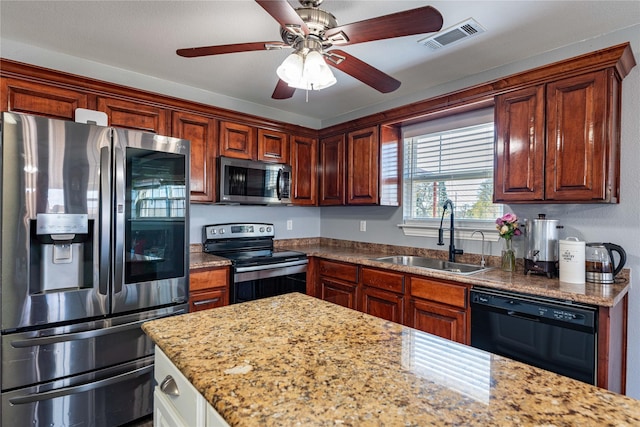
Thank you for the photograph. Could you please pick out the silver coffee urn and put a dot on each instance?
(541, 251)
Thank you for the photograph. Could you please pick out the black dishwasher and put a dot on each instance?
(559, 336)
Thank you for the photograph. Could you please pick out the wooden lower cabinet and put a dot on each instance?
(208, 288)
(384, 304)
(337, 282)
(341, 293)
(439, 308)
(382, 294)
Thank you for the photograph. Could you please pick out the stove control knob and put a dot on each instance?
(221, 231)
(212, 231)
(262, 229)
(268, 229)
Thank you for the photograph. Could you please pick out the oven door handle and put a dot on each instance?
(271, 266)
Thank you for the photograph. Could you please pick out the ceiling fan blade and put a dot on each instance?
(362, 71)
(283, 90)
(192, 52)
(409, 22)
(286, 16)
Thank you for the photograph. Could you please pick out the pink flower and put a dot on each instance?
(507, 226)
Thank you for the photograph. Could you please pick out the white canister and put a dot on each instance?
(571, 260)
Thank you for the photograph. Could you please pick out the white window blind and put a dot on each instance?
(450, 158)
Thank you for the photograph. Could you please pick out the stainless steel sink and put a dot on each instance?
(433, 264)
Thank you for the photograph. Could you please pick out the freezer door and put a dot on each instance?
(44, 355)
(105, 398)
(52, 239)
(151, 250)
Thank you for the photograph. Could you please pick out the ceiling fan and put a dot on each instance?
(311, 31)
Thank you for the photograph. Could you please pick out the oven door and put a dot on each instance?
(256, 282)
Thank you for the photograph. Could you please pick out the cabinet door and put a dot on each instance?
(41, 99)
(438, 319)
(344, 294)
(201, 131)
(578, 143)
(237, 141)
(273, 146)
(362, 166)
(304, 160)
(332, 151)
(383, 304)
(519, 163)
(134, 115)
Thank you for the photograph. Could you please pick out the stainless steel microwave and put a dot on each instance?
(252, 182)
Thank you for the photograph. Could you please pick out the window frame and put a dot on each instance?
(429, 227)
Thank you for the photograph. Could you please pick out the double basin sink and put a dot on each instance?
(432, 264)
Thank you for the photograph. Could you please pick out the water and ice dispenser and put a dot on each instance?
(61, 244)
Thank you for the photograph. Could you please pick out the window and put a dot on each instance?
(450, 158)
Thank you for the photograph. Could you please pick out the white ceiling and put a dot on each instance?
(142, 36)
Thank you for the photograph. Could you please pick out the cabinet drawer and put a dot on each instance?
(207, 279)
(386, 280)
(337, 270)
(442, 292)
(204, 300)
(188, 403)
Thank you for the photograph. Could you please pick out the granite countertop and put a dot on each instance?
(586, 293)
(298, 360)
(364, 254)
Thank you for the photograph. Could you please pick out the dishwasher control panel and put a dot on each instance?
(531, 308)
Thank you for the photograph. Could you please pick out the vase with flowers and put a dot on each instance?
(508, 227)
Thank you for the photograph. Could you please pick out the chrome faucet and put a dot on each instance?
(482, 262)
(452, 249)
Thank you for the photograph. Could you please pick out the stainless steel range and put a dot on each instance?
(258, 270)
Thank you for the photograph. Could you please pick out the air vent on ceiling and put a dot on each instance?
(454, 34)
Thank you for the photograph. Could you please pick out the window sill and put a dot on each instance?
(463, 231)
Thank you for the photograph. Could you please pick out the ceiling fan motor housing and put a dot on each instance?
(317, 20)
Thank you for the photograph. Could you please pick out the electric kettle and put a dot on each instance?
(599, 264)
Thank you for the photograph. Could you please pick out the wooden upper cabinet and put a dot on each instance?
(273, 146)
(304, 165)
(332, 165)
(520, 145)
(559, 142)
(363, 166)
(135, 115)
(201, 131)
(25, 97)
(237, 140)
(582, 147)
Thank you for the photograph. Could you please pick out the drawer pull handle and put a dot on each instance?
(169, 386)
(206, 301)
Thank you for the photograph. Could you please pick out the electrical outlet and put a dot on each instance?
(363, 225)
(289, 224)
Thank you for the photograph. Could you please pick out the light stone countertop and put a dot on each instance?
(297, 360)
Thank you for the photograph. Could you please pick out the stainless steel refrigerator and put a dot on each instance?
(94, 243)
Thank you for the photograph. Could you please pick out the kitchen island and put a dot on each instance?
(297, 360)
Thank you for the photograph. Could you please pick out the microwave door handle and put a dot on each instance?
(279, 184)
(104, 266)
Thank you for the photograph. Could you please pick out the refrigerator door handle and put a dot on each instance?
(105, 220)
(55, 339)
(66, 391)
(119, 199)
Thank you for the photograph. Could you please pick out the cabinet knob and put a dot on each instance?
(169, 386)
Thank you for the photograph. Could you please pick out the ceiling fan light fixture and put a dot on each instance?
(308, 72)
